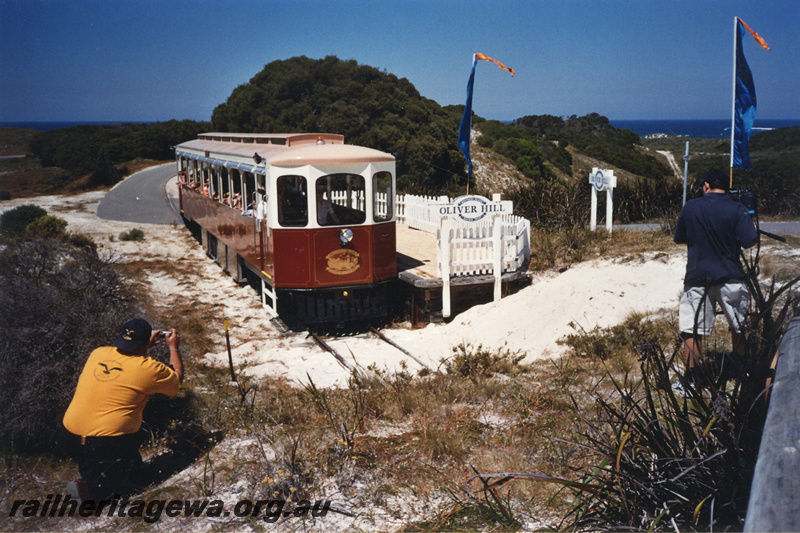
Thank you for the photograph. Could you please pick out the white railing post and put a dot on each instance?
(444, 264)
(497, 246)
(269, 299)
(400, 208)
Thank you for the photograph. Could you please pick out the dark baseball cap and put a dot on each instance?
(717, 179)
(134, 334)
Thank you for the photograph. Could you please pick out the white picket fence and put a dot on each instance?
(414, 211)
(500, 243)
(477, 248)
(352, 199)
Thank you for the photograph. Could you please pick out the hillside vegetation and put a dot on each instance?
(542, 162)
(774, 154)
(85, 157)
(367, 106)
(98, 150)
(556, 155)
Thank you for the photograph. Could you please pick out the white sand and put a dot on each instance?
(598, 293)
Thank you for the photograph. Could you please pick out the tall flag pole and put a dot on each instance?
(744, 98)
(465, 127)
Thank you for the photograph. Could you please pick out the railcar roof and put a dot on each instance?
(286, 149)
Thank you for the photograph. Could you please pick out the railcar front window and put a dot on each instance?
(383, 203)
(341, 199)
(292, 201)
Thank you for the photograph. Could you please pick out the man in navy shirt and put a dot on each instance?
(715, 228)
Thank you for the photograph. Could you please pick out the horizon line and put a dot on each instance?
(139, 121)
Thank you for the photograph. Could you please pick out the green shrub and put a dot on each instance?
(471, 363)
(14, 221)
(133, 235)
(552, 204)
(57, 303)
(46, 227)
(616, 341)
(79, 240)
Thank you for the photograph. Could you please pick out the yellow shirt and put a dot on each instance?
(113, 390)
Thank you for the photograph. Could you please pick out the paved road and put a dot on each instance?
(778, 228)
(142, 198)
(781, 228)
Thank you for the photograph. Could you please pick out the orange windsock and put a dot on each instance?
(759, 39)
(496, 62)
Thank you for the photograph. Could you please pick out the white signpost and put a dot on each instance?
(600, 180)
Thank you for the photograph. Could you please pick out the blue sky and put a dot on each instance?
(152, 60)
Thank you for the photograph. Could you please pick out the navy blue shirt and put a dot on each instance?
(715, 228)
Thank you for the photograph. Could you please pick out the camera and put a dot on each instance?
(164, 332)
(747, 199)
(750, 202)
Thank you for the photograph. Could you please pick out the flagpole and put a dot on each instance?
(469, 139)
(733, 97)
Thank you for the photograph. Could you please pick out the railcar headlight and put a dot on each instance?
(345, 236)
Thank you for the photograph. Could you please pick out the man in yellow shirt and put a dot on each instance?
(105, 415)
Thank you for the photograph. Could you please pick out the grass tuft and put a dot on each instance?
(134, 234)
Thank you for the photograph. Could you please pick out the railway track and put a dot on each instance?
(376, 334)
(389, 341)
(328, 348)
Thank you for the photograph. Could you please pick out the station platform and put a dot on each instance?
(416, 252)
(422, 286)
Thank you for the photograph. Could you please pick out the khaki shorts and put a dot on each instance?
(732, 298)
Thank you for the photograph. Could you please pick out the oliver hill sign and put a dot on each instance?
(472, 208)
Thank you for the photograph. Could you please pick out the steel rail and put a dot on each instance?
(327, 347)
(386, 339)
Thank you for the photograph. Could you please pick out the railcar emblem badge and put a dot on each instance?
(342, 262)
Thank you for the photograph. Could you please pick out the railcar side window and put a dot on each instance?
(383, 203)
(341, 199)
(249, 196)
(292, 201)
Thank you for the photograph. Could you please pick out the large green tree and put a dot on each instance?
(367, 106)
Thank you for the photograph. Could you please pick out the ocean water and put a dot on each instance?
(705, 129)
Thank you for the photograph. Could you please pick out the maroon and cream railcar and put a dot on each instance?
(307, 219)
